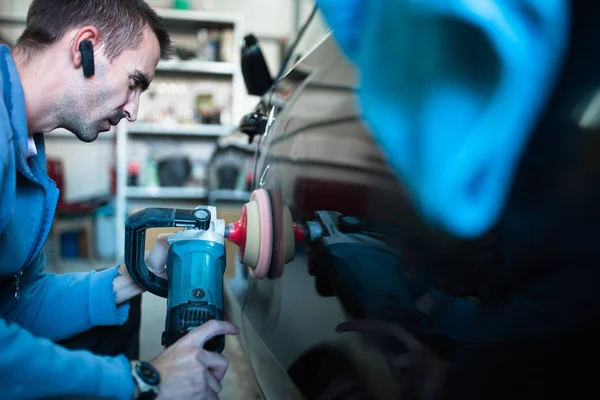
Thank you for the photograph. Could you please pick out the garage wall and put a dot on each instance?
(265, 18)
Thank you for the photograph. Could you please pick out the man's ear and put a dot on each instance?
(82, 46)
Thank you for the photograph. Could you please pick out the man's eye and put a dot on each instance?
(133, 83)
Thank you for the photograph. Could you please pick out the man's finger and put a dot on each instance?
(212, 382)
(161, 241)
(158, 256)
(218, 363)
(205, 332)
(212, 396)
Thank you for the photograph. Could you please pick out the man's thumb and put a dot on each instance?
(158, 255)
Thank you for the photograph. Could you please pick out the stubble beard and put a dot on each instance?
(80, 123)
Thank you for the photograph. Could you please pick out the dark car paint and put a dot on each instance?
(529, 280)
(317, 155)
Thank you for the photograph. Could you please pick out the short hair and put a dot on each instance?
(120, 23)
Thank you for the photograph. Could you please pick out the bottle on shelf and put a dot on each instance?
(133, 172)
(181, 4)
(151, 170)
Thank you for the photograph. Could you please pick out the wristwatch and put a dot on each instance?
(146, 378)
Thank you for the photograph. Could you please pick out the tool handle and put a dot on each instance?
(196, 270)
(135, 243)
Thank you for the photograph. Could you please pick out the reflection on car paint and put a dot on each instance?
(261, 182)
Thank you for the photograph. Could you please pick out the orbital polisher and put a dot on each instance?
(196, 258)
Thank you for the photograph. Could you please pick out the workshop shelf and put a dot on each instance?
(192, 70)
(195, 19)
(196, 67)
(161, 192)
(12, 19)
(228, 195)
(144, 128)
(61, 133)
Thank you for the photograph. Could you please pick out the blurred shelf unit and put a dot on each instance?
(189, 20)
(11, 25)
(12, 19)
(225, 195)
(175, 20)
(196, 67)
(206, 52)
(187, 193)
(172, 193)
(61, 133)
(200, 130)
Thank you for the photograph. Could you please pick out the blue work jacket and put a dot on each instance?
(37, 308)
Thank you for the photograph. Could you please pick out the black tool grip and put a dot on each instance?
(135, 243)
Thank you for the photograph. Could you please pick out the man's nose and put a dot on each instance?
(130, 109)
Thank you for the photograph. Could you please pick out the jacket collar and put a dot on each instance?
(14, 98)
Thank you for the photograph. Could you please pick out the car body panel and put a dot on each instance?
(483, 303)
(316, 154)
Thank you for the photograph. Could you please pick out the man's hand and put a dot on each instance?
(125, 287)
(158, 256)
(187, 371)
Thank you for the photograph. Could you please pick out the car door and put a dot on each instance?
(315, 154)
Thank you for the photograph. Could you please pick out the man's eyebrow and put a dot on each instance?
(143, 79)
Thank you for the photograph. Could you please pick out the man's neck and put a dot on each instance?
(40, 82)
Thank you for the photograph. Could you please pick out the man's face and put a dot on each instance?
(113, 93)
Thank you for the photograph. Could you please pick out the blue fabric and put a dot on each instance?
(49, 307)
(35, 368)
(452, 90)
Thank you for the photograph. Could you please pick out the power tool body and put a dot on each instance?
(195, 265)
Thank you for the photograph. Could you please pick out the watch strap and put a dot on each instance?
(147, 396)
(146, 390)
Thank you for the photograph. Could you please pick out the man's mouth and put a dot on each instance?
(105, 126)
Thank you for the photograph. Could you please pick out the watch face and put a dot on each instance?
(148, 373)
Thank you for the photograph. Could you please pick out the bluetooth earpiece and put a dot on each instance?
(87, 57)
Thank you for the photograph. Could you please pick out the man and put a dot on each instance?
(53, 80)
